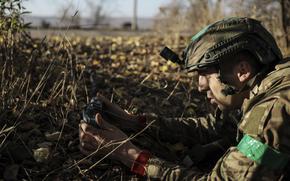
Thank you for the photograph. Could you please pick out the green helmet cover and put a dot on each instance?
(227, 37)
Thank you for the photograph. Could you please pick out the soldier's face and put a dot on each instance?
(209, 82)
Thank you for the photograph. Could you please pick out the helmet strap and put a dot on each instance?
(228, 89)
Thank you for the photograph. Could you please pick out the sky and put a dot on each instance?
(114, 8)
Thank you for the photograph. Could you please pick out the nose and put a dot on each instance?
(202, 83)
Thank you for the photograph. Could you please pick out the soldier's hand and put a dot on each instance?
(107, 138)
(113, 108)
(122, 119)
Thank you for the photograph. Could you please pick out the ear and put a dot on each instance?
(243, 71)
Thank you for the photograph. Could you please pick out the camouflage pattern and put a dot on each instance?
(227, 37)
(266, 118)
(190, 131)
(187, 135)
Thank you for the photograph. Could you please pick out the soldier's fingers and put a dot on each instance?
(99, 140)
(89, 146)
(87, 138)
(82, 133)
(85, 151)
(94, 140)
(104, 125)
(83, 127)
(96, 136)
(86, 128)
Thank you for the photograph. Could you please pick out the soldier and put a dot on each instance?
(239, 66)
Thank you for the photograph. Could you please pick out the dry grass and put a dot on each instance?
(46, 83)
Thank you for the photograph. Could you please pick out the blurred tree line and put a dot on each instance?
(189, 16)
(71, 17)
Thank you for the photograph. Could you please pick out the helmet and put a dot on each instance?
(224, 38)
(228, 37)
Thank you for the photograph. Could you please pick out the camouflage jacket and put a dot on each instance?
(174, 139)
(266, 116)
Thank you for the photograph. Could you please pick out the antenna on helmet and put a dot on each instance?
(168, 54)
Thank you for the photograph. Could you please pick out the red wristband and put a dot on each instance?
(139, 164)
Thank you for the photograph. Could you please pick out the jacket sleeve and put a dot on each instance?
(186, 130)
(234, 165)
(196, 131)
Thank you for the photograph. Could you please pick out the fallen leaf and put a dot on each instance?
(41, 154)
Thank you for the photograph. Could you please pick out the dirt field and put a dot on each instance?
(49, 81)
